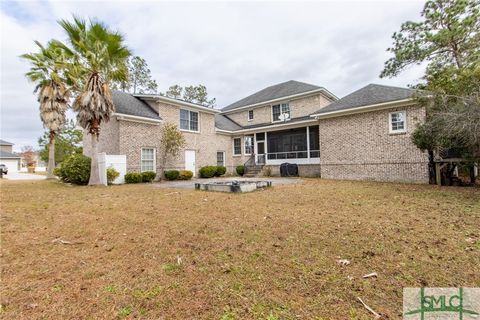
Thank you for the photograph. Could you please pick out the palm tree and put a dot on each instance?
(101, 57)
(46, 71)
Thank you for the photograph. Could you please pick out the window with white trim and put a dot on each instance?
(148, 159)
(237, 146)
(250, 115)
(221, 158)
(248, 144)
(280, 109)
(188, 120)
(397, 122)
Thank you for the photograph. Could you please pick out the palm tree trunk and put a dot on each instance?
(94, 170)
(51, 156)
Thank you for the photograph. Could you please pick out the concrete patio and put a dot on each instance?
(190, 184)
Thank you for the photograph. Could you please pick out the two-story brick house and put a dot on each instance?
(365, 135)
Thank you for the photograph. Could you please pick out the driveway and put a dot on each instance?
(190, 184)
(23, 176)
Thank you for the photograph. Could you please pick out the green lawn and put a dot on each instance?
(137, 251)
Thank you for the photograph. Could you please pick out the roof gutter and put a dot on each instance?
(176, 102)
(128, 117)
(367, 108)
(322, 90)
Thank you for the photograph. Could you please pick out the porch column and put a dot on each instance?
(266, 148)
(308, 142)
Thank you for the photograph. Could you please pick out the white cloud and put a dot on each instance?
(234, 48)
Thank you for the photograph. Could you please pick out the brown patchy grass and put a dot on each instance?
(151, 253)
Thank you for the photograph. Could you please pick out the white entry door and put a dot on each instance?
(190, 161)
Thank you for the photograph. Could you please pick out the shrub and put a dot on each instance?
(185, 175)
(57, 171)
(75, 169)
(208, 171)
(112, 174)
(220, 171)
(133, 177)
(148, 176)
(240, 170)
(171, 174)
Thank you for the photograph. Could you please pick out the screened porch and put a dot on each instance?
(298, 145)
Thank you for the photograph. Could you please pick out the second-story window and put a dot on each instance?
(250, 115)
(188, 120)
(280, 109)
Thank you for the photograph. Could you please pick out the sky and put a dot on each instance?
(233, 48)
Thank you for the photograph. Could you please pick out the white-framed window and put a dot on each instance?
(397, 121)
(279, 109)
(248, 145)
(221, 158)
(237, 146)
(250, 115)
(188, 120)
(148, 159)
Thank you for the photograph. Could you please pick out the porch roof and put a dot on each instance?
(292, 120)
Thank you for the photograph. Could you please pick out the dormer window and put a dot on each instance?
(280, 109)
(250, 115)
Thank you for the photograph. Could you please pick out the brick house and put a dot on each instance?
(366, 135)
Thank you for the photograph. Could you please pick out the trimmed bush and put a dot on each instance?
(185, 175)
(148, 176)
(133, 177)
(240, 170)
(75, 169)
(171, 174)
(57, 171)
(208, 171)
(220, 171)
(112, 174)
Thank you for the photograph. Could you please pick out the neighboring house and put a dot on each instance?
(363, 136)
(8, 158)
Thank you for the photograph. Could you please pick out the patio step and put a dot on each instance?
(253, 171)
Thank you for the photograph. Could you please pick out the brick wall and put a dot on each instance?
(360, 147)
(109, 139)
(298, 108)
(129, 137)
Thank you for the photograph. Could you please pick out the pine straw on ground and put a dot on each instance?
(136, 251)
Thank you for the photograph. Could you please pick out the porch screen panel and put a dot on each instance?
(287, 144)
(314, 142)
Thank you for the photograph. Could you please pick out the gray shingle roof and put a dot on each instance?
(225, 123)
(371, 94)
(273, 92)
(127, 104)
(5, 154)
(5, 143)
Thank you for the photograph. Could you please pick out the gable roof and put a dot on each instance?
(5, 154)
(223, 122)
(5, 143)
(366, 96)
(280, 90)
(125, 103)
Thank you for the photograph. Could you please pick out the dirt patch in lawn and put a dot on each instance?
(139, 251)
